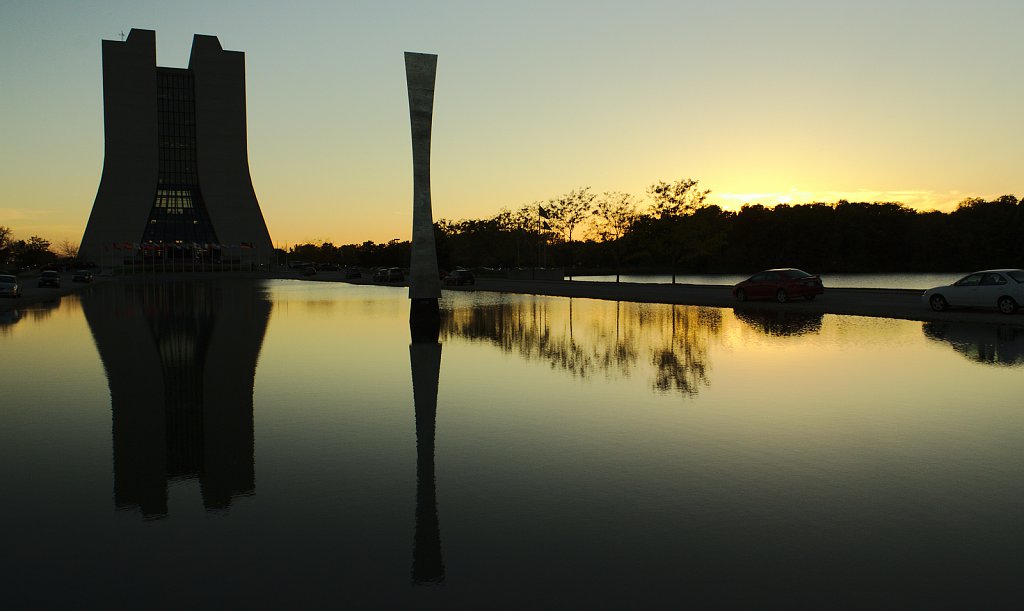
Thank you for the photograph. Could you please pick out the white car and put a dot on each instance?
(991, 288)
(9, 286)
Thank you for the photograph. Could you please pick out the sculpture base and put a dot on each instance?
(424, 320)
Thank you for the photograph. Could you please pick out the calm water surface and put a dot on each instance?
(283, 444)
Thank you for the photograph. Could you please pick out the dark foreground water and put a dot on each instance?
(242, 445)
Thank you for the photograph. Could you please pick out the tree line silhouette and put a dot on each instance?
(34, 252)
(676, 230)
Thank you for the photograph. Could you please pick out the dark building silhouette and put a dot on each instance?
(175, 180)
(180, 359)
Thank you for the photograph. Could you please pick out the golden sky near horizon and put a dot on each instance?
(788, 101)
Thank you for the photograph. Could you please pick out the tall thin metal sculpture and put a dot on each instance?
(424, 284)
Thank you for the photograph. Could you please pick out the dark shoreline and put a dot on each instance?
(880, 303)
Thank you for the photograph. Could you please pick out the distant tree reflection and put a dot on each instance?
(591, 337)
(980, 342)
(681, 361)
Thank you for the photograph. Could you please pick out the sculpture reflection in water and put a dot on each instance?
(180, 359)
(980, 342)
(585, 337)
(780, 322)
(425, 362)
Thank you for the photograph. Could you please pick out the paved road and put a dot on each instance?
(886, 303)
(32, 294)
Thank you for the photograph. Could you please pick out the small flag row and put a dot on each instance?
(149, 246)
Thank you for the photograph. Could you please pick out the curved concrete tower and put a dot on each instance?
(424, 283)
(175, 166)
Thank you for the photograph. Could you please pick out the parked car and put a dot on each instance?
(394, 274)
(780, 284)
(307, 270)
(9, 286)
(49, 278)
(82, 275)
(353, 272)
(328, 267)
(380, 275)
(458, 277)
(1002, 289)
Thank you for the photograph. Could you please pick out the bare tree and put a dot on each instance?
(568, 212)
(672, 203)
(614, 214)
(675, 199)
(67, 249)
(5, 244)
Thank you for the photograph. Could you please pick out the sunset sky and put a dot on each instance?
(797, 101)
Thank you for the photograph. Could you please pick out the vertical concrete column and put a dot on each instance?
(424, 284)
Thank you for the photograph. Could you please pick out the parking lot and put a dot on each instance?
(32, 294)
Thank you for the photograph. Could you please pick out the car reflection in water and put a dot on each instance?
(980, 342)
(779, 322)
(180, 359)
(36, 312)
(8, 318)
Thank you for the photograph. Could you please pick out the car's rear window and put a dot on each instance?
(795, 273)
(1017, 275)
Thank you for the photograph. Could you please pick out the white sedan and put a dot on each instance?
(991, 288)
(9, 286)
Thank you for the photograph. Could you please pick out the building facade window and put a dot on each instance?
(178, 214)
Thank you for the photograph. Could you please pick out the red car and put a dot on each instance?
(780, 285)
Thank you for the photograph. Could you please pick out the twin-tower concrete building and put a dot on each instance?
(176, 187)
(175, 181)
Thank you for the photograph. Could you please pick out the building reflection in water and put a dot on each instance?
(588, 337)
(980, 342)
(425, 362)
(180, 359)
(780, 322)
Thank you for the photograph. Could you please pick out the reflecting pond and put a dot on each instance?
(263, 444)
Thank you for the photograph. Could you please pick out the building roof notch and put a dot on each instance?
(205, 41)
